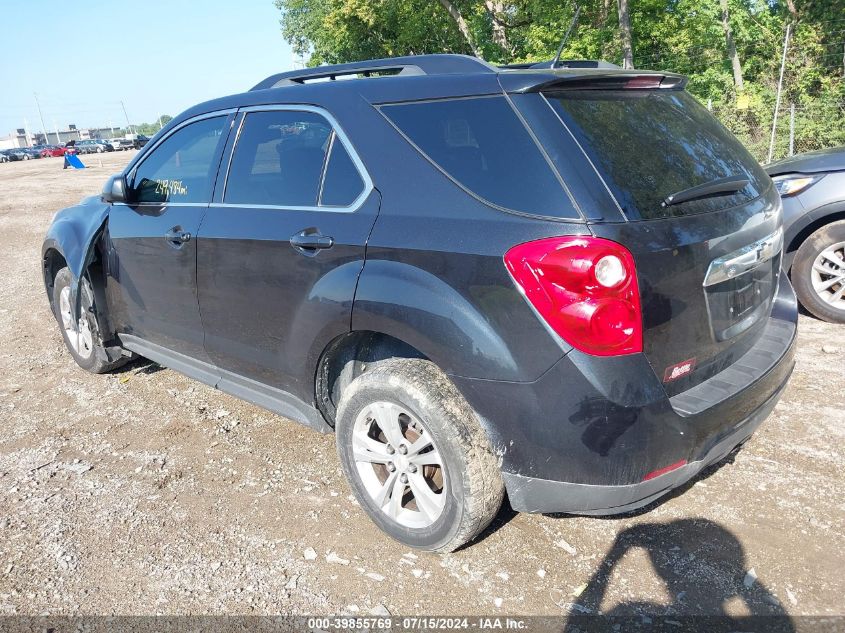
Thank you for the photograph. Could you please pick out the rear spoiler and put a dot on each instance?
(599, 79)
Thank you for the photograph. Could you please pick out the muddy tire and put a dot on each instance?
(85, 343)
(818, 273)
(416, 456)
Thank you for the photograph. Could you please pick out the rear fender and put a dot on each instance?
(425, 312)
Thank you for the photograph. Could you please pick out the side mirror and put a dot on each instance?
(115, 189)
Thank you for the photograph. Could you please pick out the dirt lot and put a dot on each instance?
(144, 492)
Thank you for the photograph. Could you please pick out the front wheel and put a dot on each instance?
(416, 456)
(82, 339)
(818, 273)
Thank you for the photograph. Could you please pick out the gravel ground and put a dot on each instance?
(144, 492)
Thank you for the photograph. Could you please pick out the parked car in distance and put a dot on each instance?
(140, 141)
(812, 186)
(93, 146)
(127, 144)
(561, 283)
(18, 153)
(53, 150)
(3, 157)
(61, 150)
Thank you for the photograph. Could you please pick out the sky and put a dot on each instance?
(83, 57)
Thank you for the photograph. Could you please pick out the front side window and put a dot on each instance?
(290, 158)
(182, 168)
(482, 145)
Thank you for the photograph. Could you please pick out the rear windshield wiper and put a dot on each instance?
(719, 187)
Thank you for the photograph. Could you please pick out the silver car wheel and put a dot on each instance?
(828, 275)
(399, 464)
(81, 339)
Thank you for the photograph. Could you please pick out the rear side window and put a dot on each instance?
(648, 145)
(182, 167)
(482, 145)
(291, 158)
(343, 182)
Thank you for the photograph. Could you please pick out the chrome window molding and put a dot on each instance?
(206, 115)
(337, 133)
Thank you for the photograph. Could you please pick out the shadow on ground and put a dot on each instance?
(705, 573)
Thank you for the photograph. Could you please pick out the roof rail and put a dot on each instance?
(410, 65)
(562, 63)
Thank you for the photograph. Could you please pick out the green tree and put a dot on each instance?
(729, 49)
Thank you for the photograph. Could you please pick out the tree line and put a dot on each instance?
(730, 49)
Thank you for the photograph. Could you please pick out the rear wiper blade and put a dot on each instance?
(719, 187)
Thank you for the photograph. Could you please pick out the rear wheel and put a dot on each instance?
(82, 339)
(818, 273)
(416, 457)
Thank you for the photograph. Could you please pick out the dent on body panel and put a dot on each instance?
(420, 309)
(74, 233)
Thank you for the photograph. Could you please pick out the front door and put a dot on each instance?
(280, 250)
(153, 237)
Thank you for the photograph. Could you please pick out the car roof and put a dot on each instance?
(423, 77)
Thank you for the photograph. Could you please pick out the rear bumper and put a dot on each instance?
(527, 494)
(585, 436)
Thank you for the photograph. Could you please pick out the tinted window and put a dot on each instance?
(482, 144)
(648, 145)
(342, 182)
(182, 167)
(279, 159)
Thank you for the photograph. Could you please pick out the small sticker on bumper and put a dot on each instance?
(679, 370)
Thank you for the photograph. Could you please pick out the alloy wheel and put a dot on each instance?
(399, 464)
(828, 275)
(80, 338)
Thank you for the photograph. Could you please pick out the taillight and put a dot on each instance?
(585, 288)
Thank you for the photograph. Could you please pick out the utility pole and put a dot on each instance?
(56, 127)
(127, 118)
(777, 99)
(41, 116)
(791, 129)
(160, 124)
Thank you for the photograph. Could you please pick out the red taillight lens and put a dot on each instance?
(585, 288)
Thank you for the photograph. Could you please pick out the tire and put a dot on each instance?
(89, 353)
(815, 266)
(463, 492)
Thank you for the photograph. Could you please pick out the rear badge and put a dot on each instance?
(684, 368)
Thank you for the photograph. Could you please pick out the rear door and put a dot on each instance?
(697, 212)
(282, 245)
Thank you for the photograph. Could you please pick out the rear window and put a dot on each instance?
(482, 145)
(648, 145)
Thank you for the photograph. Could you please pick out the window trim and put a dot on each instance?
(337, 133)
(130, 174)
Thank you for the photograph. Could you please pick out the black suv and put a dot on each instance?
(563, 284)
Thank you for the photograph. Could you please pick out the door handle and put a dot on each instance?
(309, 240)
(176, 236)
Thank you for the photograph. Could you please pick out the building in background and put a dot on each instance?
(27, 138)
